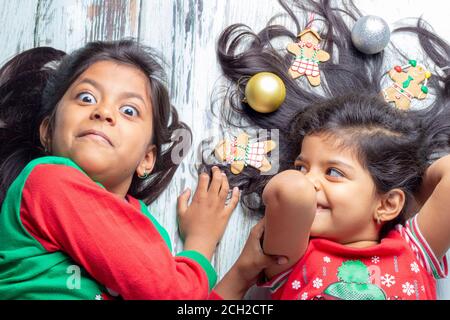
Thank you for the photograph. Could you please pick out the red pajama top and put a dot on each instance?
(63, 236)
(401, 267)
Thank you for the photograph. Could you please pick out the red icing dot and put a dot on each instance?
(398, 68)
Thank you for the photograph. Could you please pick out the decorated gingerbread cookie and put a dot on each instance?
(239, 152)
(410, 81)
(308, 55)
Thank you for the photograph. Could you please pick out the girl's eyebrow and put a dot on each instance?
(127, 95)
(340, 163)
(329, 162)
(92, 82)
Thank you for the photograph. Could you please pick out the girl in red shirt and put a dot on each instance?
(83, 137)
(360, 207)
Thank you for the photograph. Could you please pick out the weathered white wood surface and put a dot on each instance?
(185, 32)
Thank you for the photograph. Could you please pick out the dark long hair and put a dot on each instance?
(32, 84)
(435, 119)
(243, 53)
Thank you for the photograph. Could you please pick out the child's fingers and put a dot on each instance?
(258, 229)
(234, 200)
(182, 202)
(202, 187)
(225, 188)
(267, 261)
(216, 181)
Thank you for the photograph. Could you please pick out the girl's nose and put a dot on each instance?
(103, 114)
(315, 181)
(317, 184)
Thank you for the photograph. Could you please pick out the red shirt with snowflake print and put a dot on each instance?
(401, 267)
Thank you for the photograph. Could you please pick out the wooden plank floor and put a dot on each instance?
(185, 33)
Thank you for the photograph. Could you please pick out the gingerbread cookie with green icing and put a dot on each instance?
(410, 81)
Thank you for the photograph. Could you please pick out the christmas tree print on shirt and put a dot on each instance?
(354, 284)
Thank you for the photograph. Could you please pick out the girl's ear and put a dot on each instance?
(147, 164)
(390, 206)
(43, 133)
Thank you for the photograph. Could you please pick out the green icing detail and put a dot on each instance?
(246, 149)
(412, 63)
(304, 58)
(407, 82)
(424, 89)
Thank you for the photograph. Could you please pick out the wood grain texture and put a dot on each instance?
(18, 26)
(68, 25)
(188, 46)
(185, 32)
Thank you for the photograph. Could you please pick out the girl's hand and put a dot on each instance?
(203, 222)
(248, 267)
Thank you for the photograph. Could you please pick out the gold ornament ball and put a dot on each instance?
(265, 92)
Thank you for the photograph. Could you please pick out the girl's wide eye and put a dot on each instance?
(334, 173)
(130, 111)
(87, 98)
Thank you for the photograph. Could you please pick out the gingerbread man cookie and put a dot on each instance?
(308, 55)
(407, 84)
(238, 152)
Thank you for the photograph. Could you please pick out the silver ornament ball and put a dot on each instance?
(370, 34)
